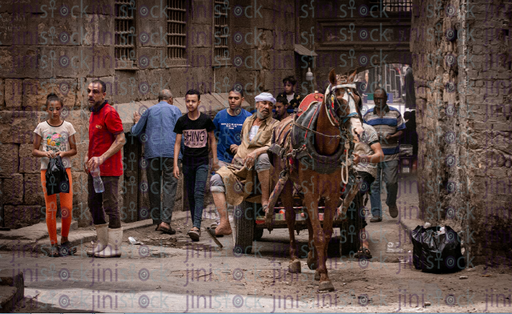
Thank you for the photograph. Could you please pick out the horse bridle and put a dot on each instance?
(332, 108)
(345, 133)
(335, 104)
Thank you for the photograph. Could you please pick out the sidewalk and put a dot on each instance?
(28, 239)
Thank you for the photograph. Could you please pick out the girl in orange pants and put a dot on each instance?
(58, 139)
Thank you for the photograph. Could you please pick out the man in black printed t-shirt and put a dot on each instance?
(196, 129)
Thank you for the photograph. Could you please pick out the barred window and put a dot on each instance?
(221, 28)
(125, 30)
(176, 29)
(394, 5)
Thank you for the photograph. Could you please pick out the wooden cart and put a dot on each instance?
(249, 221)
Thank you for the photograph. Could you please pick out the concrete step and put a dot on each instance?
(35, 232)
(8, 299)
(12, 290)
(78, 238)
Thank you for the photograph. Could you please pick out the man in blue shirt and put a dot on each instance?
(155, 127)
(388, 123)
(228, 126)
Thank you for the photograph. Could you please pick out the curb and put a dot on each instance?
(12, 290)
(77, 239)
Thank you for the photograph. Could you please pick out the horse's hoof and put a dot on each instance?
(294, 267)
(326, 286)
(317, 275)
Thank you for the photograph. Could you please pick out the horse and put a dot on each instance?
(336, 115)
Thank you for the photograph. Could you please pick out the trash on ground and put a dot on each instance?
(134, 241)
(437, 242)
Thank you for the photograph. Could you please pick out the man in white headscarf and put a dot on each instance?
(233, 183)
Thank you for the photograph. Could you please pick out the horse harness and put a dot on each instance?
(293, 142)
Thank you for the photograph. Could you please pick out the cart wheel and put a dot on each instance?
(238, 251)
(244, 232)
(349, 230)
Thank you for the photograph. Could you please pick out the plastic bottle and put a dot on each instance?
(97, 182)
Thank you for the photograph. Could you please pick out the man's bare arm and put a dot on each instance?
(113, 149)
(213, 145)
(177, 147)
(397, 134)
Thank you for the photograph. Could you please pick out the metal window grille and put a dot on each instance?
(221, 29)
(176, 29)
(394, 5)
(125, 30)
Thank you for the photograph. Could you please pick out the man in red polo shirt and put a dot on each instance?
(106, 138)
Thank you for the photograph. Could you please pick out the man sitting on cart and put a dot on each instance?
(231, 184)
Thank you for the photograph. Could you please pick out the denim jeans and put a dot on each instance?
(161, 167)
(195, 177)
(390, 176)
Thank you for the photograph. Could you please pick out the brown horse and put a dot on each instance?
(331, 134)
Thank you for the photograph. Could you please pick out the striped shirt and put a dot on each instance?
(390, 123)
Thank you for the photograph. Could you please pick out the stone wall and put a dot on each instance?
(47, 47)
(20, 174)
(264, 38)
(462, 79)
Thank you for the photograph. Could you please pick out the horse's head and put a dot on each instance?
(340, 98)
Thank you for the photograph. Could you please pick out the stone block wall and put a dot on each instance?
(22, 196)
(40, 54)
(462, 78)
(263, 50)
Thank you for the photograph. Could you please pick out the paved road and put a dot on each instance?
(170, 274)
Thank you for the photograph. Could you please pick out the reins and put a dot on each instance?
(316, 132)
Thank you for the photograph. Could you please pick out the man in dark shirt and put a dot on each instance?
(196, 129)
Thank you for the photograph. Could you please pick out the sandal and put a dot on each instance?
(170, 231)
(66, 249)
(54, 251)
(194, 234)
(363, 253)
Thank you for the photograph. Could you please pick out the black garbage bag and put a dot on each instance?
(57, 180)
(435, 251)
